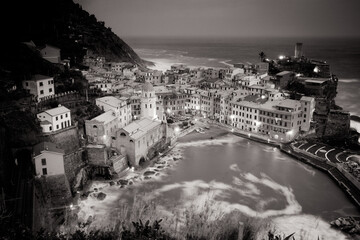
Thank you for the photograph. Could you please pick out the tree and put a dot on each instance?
(262, 56)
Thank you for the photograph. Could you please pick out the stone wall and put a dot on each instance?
(66, 139)
(338, 125)
(97, 154)
(119, 163)
(73, 162)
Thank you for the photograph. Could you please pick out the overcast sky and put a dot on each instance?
(228, 18)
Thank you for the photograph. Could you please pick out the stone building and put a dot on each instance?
(140, 139)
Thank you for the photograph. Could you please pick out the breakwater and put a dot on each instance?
(345, 184)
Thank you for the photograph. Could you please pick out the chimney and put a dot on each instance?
(298, 50)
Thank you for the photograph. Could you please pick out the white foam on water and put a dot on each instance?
(226, 62)
(307, 227)
(209, 142)
(353, 80)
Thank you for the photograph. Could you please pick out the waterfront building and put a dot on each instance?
(48, 159)
(135, 140)
(280, 120)
(193, 104)
(143, 138)
(308, 108)
(54, 119)
(174, 102)
(40, 86)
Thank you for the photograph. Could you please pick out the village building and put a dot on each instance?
(48, 159)
(40, 86)
(101, 129)
(50, 53)
(55, 119)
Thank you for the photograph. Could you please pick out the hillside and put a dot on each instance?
(66, 25)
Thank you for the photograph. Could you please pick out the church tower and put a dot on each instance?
(148, 101)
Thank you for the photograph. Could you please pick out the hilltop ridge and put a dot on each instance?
(64, 24)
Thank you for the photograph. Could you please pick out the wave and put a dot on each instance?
(351, 80)
(226, 62)
(212, 142)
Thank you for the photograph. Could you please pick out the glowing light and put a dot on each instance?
(195, 120)
(290, 132)
(316, 69)
(186, 107)
(268, 140)
(168, 110)
(232, 116)
(177, 129)
(232, 130)
(263, 96)
(281, 57)
(249, 135)
(298, 75)
(104, 136)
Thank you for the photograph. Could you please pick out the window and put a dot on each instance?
(61, 116)
(65, 114)
(41, 84)
(56, 118)
(44, 171)
(26, 84)
(50, 89)
(41, 92)
(43, 161)
(50, 128)
(57, 126)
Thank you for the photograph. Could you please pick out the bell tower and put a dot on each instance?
(148, 101)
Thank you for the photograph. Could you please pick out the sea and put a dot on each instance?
(343, 55)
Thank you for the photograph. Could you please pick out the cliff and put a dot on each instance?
(64, 24)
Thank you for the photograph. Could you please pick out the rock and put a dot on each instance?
(149, 173)
(112, 183)
(123, 182)
(95, 189)
(147, 177)
(84, 196)
(161, 162)
(337, 223)
(130, 183)
(160, 167)
(156, 170)
(101, 196)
